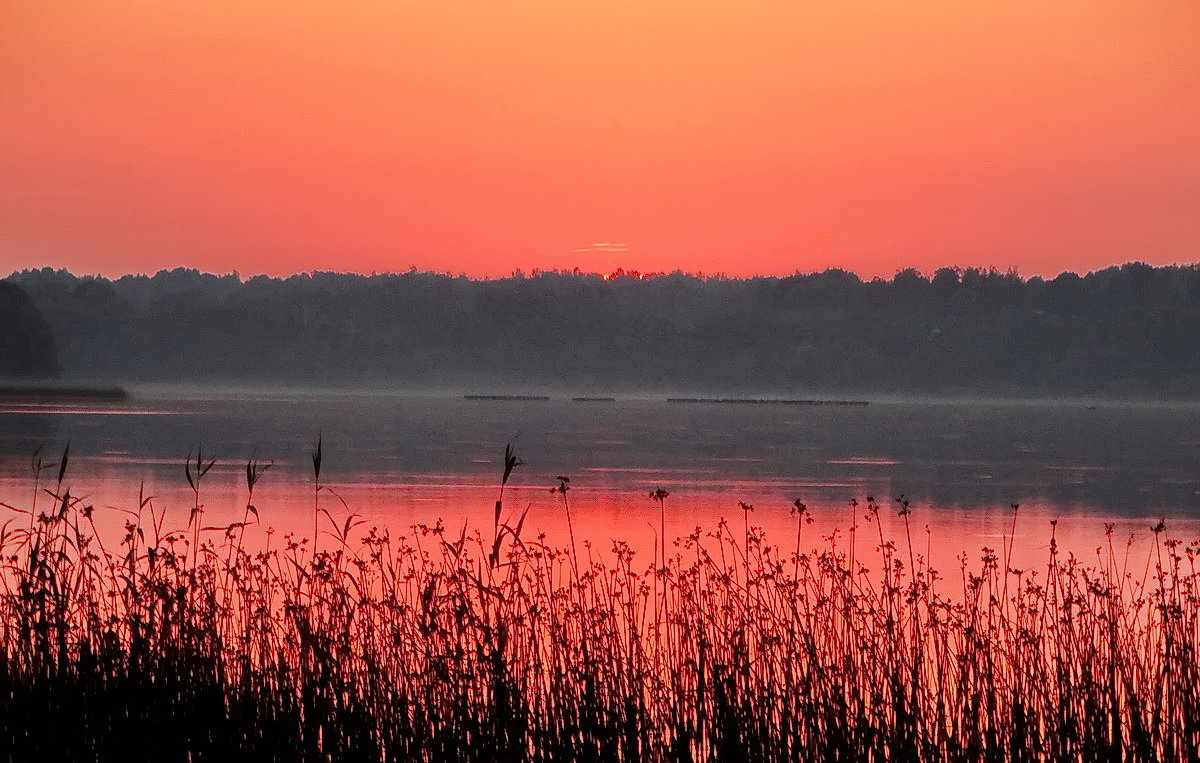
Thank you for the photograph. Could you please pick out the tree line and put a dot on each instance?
(27, 348)
(1127, 330)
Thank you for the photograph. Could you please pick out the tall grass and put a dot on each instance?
(192, 644)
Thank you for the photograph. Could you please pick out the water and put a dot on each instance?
(399, 460)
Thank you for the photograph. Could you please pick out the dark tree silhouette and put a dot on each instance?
(1119, 331)
(27, 348)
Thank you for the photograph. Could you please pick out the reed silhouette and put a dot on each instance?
(195, 644)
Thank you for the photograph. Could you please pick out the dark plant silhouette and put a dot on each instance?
(134, 644)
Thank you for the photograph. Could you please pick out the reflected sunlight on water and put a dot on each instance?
(402, 461)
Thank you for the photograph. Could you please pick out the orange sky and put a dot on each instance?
(481, 136)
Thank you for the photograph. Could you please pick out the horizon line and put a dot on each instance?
(617, 273)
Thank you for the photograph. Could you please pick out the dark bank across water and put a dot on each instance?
(55, 392)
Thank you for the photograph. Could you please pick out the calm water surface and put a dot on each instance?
(400, 460)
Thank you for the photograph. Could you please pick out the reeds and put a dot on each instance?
(194, 645)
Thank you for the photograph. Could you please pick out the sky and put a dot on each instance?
(484, 136)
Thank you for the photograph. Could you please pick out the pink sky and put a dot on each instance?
(476, 136)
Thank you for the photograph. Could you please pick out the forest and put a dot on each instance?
(1124, 331)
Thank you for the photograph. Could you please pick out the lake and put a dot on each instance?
(400, 460)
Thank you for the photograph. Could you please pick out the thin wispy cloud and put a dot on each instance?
(602, 247)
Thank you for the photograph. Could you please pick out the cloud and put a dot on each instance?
(602, 247)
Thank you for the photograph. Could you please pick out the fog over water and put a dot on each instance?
(403, 459)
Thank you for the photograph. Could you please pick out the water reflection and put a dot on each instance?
(401, 460)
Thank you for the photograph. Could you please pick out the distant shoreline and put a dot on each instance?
(56, 392)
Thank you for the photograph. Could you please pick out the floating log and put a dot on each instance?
(761, 401)
(506, 397)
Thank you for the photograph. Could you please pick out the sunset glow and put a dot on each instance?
(482, 137)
